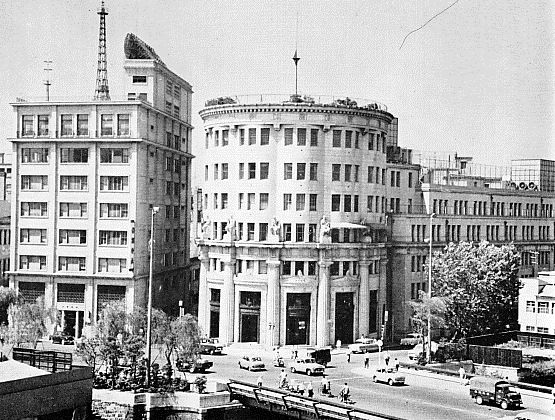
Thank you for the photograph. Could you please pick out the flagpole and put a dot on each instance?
(296, 59)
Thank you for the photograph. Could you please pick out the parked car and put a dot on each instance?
(210, 346)
(388, 375)
(251, 363)
(194, 365)
(322, 355)
(421, 348)
(494, 390)
(364, 345)
(60, 338)
(307, 365)
(411, 339)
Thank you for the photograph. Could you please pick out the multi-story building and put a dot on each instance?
(87, 177)
(536, 304)
(316, 222)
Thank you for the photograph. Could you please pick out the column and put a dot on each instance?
(227, 304)
(203, 297)
(364, 299)
(323, 312)
(272, 303)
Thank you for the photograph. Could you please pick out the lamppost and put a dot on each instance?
(149, 304)
(432, 215)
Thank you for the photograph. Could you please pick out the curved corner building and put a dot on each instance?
(292, 243)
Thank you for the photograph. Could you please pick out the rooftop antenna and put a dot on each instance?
(102, 92)
(47, 69)
(296, 58)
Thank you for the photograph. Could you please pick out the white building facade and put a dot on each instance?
(536, 304)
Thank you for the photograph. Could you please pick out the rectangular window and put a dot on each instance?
(112, 265)
(370, 174)
(74, 155)
(225, 137)
(139, 79)
(106, 125)
(43, 125)
(348, 173)
(314, 172)
(112, 237)
(357, 139)
(225, 170)
(314, 137)
(123, 124)
(252, 170)
(262, 266)
(312, 232)
(264, 170)
(301, 136)
(224, 201)
(288, 136)
(264, 197)
(32, 236)
(114, 183)
(357, 169)
(241, 170)
(410, 179)
(34, 182)
(348, 138)
(67, 125)
(34, 209)
(301, 171)
(287, 198)
(300, 202)
(335, 202)
(300, 232)
(252, 136)
(264, 136)
(250, 231)
(287, 232)
(241, 201)
(287, 171)
(114, 155)
(336, 138)
(74, 210)
(530, 306)
(34, 155)
(347, 203)
(71, 264)
(335, 172)
(216, 171)
(313, 200)
(73, 183)
(32, 262)
(369, 203)
(251, 197)
(286, 268)
(241, 136)
(113, 210)
(27, 126)
(262, 231)
(72, 237)
(82, 125)
(355, 203)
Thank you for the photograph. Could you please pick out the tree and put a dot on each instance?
(8, 297)
(426, 307)
(187, 334)
(29, 322)
(480, 284)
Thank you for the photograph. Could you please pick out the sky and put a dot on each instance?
(478, 79)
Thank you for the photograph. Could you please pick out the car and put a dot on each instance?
(210, 346)
(411, 339)
(420, 348)
(194, 365)
(388, 375)
(251, 363)
(59, 338)
(364, 345)
(307, 365)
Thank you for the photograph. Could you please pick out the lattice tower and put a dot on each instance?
(102, 91)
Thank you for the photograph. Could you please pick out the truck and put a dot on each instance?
(494, 390)
(322, 355)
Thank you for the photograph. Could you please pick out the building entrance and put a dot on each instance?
(298, 318)
(249, 317)
(344, 317)
(214, 313)
(72, 323)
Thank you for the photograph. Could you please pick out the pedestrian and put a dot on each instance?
(366, 360)
(396, 365)
(386, 358)
(345, 393)
(283, 379)
(310, 390)
(338, 344)
(259, 381)
(301, 388)
(462, 374)
(325, 385)
(349, 355)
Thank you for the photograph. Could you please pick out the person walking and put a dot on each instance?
(283, 379)
(366, 360)
(259, 381)
(301, 388)
(396, 365)
(349, 355)
(386, 358)
(310, 390)
(462, 374)
(345, 393)
(325, 385)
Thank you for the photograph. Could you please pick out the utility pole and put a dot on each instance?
(47, 69)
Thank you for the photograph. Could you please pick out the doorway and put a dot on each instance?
(344, 317)
(249, 317)
(297, 318)
(72, 323)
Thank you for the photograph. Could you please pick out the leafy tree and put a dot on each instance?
(29, 322)
(8, 297)
(480, 284)
(426, 307)
(187, 336)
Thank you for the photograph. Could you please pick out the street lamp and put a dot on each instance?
(429, 355)
(149, 304)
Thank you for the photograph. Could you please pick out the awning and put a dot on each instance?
(346, 225)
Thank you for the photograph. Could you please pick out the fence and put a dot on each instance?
(495, 356)
(51, 361)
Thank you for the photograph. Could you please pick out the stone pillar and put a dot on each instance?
(203, 296)
(227, 304)
(323, 311)
(364, 299)
(272, 303)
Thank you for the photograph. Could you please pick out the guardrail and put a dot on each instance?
(268, 398)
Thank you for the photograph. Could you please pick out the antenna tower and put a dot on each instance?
(47, 69)
(102, 92)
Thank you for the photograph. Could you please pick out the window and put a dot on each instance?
(347, 203)
(115, 155)
(169, 87)
(225, 170)
(27, 126)
(335, 172)
(336, 138)
(32, 236)
(252, 170)
(369, 203)
(252, 136)
(251, 197)
(312, 232)
(225, 137)
(114, 183)
(543, 330)
(286, 268)
(216, 138)
(530, 306)
(314, 137)
(216, 170)
(348, 138)
(314, 172)
(73, 183)
(66, 125)
(113, 210)
(264, 136)
(139, 79)
(43, 125)
(73, 237)
(543, 307)
(301, 169)
(241, 170)
(262, 232)
(34, 155)
(34, 182)
(123, 124)
(313, 199)
(82, 125)
(287, 232)
(264, 170)
(348, 173)
(355, 203)
(357, 169)
(410, 179)
(287, 171)
(74, 155)
(112, 237)
(300, 202)
(34, 209)
(288, 136)
(106, 125)
(242, 136)
(250, 232)
(112, 265)
(32, 262)
(264, 197)
(357, 139)
(77, 210)
(301, 136)
(287, 201)
(335, 202)
(241, 201)
(299, 237)
(71, 264)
